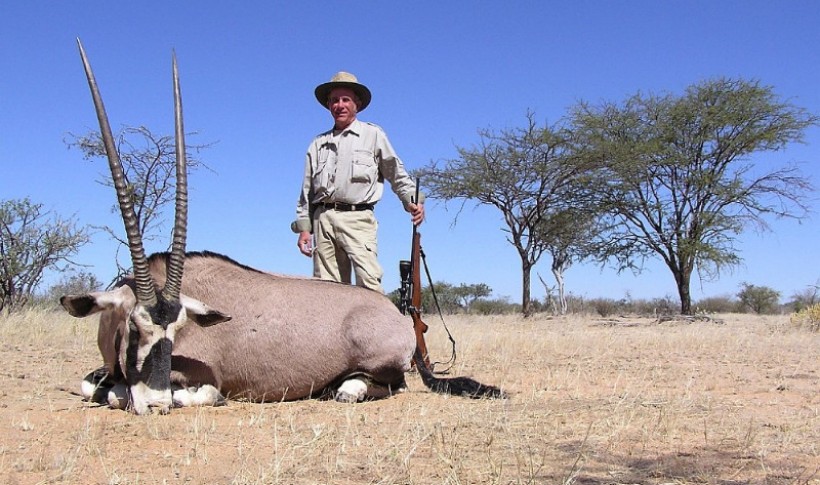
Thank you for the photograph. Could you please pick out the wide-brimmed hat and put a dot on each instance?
(343, 80)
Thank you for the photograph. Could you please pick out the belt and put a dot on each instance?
(341, 206)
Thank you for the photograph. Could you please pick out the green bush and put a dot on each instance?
(759, 299)
(717, 304)
(656, 306)
(496, 306)
(606, 307)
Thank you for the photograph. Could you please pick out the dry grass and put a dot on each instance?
(617, 401)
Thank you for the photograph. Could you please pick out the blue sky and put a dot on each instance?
(439, 71)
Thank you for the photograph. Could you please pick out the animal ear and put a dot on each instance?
(202, 314)
(84, 305)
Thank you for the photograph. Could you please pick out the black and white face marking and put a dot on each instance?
(146, 354)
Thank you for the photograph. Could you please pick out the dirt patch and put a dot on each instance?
(619, 402)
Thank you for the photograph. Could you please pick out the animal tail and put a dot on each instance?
(457, 386)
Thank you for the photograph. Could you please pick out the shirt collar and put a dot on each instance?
(354, 128)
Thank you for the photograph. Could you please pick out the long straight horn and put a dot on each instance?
(145, 285)
(176, 261)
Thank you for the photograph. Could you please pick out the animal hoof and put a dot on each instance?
(95, 386)
(118, 397)
(342, 396)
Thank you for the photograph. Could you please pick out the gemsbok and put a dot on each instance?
(196, 328)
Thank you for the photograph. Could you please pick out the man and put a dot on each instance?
(344, 177)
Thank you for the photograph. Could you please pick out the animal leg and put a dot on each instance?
(206, 395)
(95, 385)
(377, 390)
(351, 390)
(118, 397)
(356, 389)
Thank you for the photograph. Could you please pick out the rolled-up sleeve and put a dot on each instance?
(392, 168)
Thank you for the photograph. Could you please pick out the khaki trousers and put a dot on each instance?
(345, 243)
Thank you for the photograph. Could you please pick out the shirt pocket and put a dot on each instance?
(364, 168)
(323, 172)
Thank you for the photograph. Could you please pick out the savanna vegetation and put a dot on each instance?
(675, 177)
(477, 299)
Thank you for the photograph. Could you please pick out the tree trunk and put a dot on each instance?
(562, 298)
(560, 262)
(682, 278)
(550, 301)
(525, 289)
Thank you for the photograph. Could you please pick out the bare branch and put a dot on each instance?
(149, 165)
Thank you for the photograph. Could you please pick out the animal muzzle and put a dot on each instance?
(149, 380)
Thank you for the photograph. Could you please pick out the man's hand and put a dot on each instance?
(416, 213)
(305, 243)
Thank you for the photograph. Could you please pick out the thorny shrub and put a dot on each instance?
(808, 318)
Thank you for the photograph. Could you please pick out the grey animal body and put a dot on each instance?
(288, 337)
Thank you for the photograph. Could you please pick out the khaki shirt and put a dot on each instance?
(350, 167)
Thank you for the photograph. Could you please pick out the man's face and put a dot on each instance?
(342, 105)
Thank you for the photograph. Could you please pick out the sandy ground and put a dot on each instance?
(593, 401)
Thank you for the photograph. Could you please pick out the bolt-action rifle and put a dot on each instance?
(410, 291)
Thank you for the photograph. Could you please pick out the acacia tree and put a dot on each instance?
(447, 298)
(526, 173)
(677, 175)
(31, 242)
(467, 295)
(149, 163)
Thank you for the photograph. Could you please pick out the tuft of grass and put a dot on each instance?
(808, 318)
(48, 326)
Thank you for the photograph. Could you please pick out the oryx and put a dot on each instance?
(283, 337)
